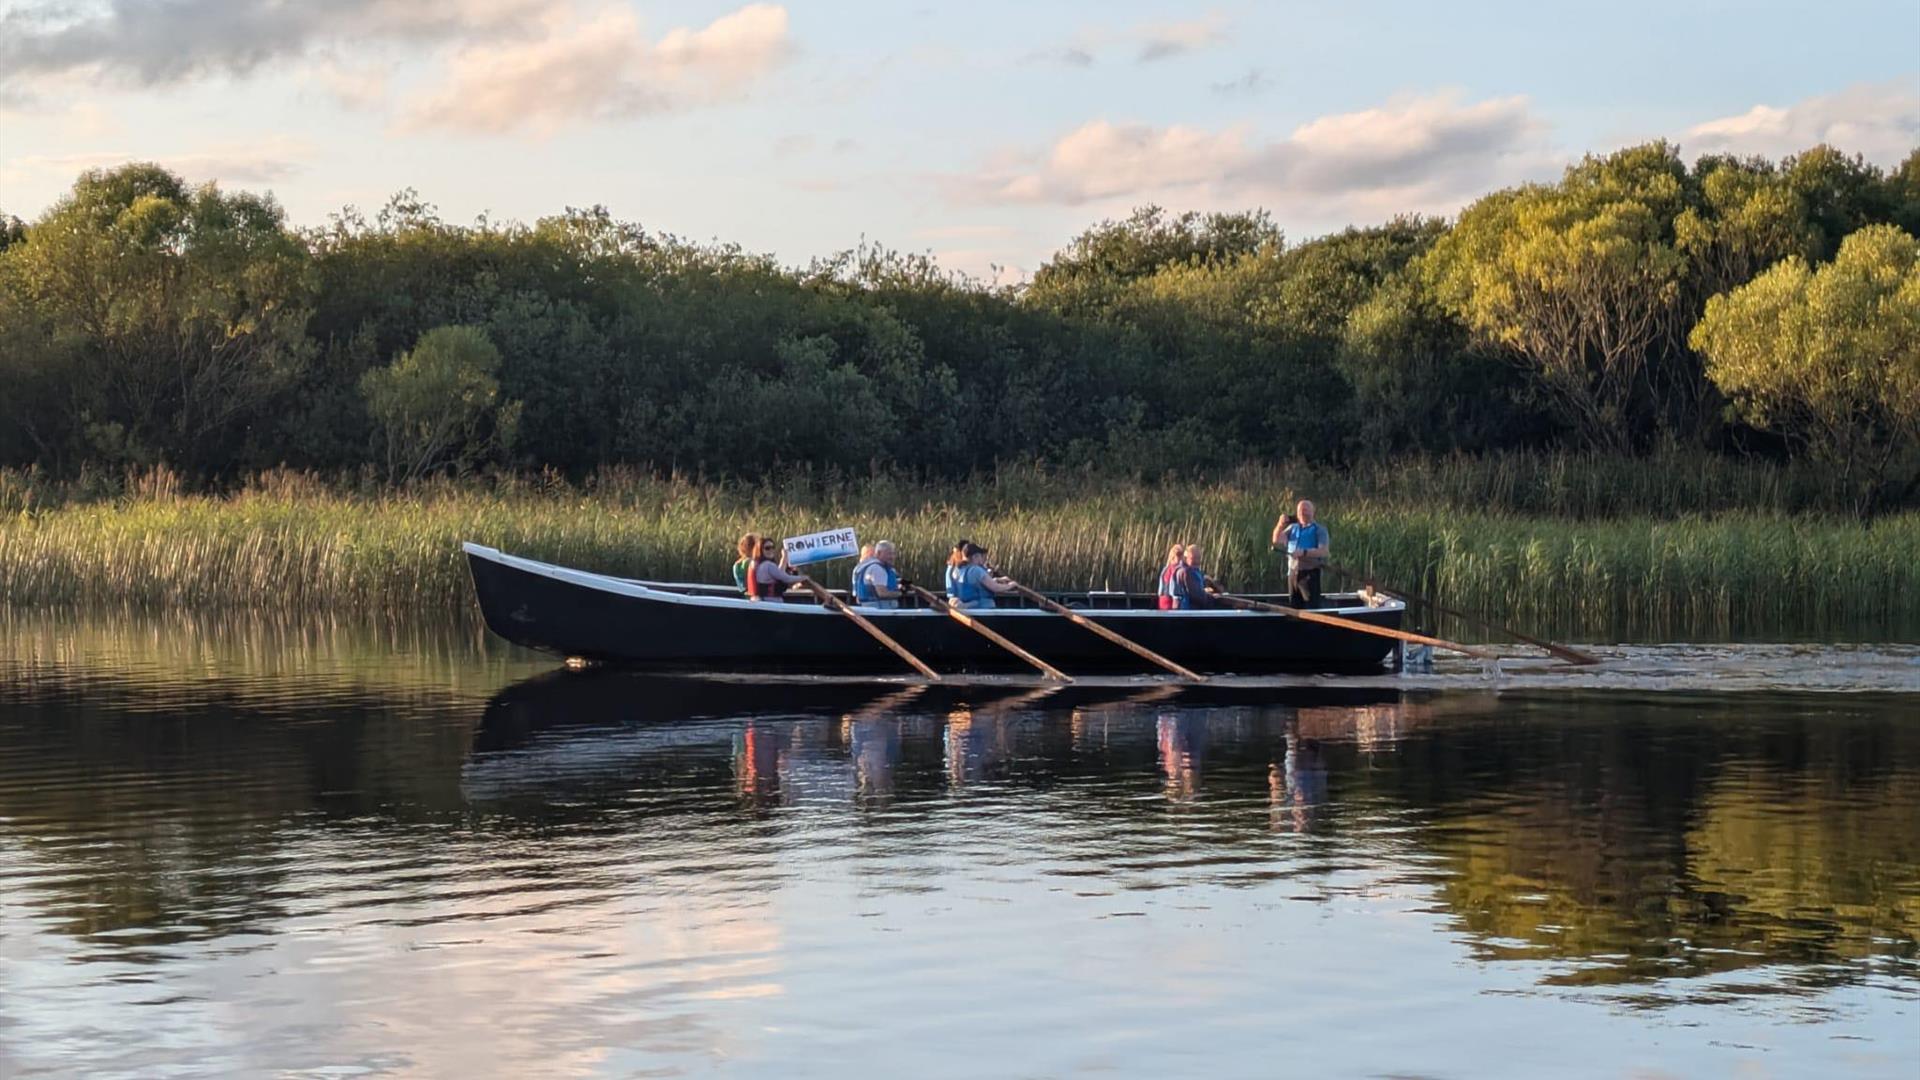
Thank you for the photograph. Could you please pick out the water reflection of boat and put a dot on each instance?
(558, 700)
(782, 739)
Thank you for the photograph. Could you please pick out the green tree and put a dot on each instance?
(1904, 185)
(1746, 216)
(1418, 383)
(1829, 356)
(1841, 194)
(149, 321)
(1082, 277)
(1578, 282)
(437, 406)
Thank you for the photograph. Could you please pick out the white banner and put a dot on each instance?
(821, 546)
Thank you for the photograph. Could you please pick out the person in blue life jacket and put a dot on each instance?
(1164, 598)
(1190, 582)
(876, 583)
(1307, 544)
(970, 585)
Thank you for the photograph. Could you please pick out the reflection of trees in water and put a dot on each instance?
(1649, 850)
(1636, 844)
(259, 656)
(176, 821)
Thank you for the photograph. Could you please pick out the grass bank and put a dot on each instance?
(292, 543)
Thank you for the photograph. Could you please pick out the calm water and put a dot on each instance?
(325, 851)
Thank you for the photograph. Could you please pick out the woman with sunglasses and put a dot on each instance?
(769, 577)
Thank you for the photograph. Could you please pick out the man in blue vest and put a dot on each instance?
(876, 583)
(1190, 582)
(970, 585)
(1308, 545)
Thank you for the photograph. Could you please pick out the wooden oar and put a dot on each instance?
(879, 635)
(1354, 624)
(1137, 649)
(1570, 655)
(975, 625)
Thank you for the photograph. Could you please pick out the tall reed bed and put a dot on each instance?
(1576, 486)
(290, 543)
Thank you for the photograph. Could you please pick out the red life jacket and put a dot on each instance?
(1166, 586)
(754, 586)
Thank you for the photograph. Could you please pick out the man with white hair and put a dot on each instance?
(1307, 548)
(875, 581)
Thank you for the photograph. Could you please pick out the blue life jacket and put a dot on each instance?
(1196, 594)
(1305, 537)
(863, 592)
(962, 589)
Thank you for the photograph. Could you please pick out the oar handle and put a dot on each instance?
(864, 623)
(1131, 646)
(987, 632)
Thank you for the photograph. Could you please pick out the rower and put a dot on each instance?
(876, 583)
(1190, 581)
(769, 578)
(1163, 596)
(748, 547)
(970, 585)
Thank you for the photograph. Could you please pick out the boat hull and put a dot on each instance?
(571, 613)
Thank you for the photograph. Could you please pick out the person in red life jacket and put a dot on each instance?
(749, 547)
(770, 576)
(1163, 595)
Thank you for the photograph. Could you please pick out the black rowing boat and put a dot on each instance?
(689, 627)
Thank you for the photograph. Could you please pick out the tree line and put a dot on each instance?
(1736, 305)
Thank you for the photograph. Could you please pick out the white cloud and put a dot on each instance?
(731, 48)
(991, 266)
(1880, 121)
(1429, 154)
(352, 85)
(965, 232)
(77, 117)
(262, 161)
(598, 67)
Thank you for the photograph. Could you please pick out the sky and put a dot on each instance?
(987, 134)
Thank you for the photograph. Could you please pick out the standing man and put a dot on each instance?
(1307, 547)
(875, 581)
